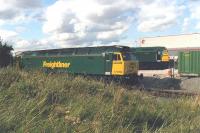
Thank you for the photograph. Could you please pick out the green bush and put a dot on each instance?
(5, 54)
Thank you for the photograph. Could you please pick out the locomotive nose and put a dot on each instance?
(131, 67)
(165, 56)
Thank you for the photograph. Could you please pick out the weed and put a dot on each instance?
(37, 102)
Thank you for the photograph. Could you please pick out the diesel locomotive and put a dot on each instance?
(152, 58)
(112, 61)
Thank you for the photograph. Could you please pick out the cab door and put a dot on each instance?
(117, 64)
(108, 63)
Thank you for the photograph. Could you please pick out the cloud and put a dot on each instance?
(17, 10)
(75, 21)
(19, 44)
(20, 4)
(158, 15)
(185, 26)
(104, 21)
(7, 34)
(25, 4)
(195, 12)
(23, 45)
(8, 14)
(69, 23)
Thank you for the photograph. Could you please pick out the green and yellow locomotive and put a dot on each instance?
(116, 61)
(152, 58)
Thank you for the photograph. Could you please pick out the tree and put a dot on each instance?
(5, 54)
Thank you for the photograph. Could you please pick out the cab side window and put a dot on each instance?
(159, 54)
(116, 57)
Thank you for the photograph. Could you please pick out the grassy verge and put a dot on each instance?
(39, 102)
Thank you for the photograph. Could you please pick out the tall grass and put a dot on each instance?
(39, 102)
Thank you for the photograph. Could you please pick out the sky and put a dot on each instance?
(49, 24)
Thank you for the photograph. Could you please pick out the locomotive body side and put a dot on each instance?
(112, 60)
(152, 58)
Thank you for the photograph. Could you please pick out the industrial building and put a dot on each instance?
(174, 43)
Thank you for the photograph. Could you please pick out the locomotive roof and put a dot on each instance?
(148, 48)
(77, 51)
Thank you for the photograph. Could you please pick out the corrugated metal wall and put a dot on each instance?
(189, 62)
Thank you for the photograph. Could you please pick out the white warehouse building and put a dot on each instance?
(174, 43)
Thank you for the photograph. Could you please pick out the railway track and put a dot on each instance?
(166, 92)
(171, 93)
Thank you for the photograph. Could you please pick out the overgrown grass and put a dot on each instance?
(39, 102)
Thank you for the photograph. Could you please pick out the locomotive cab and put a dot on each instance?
(165, 56)
(124, 64)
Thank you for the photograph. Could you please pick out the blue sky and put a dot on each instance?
(42, 24)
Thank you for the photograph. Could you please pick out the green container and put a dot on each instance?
(189, 63)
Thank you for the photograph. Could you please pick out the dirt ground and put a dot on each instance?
(159, 79)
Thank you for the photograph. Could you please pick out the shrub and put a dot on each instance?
(5, 54)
